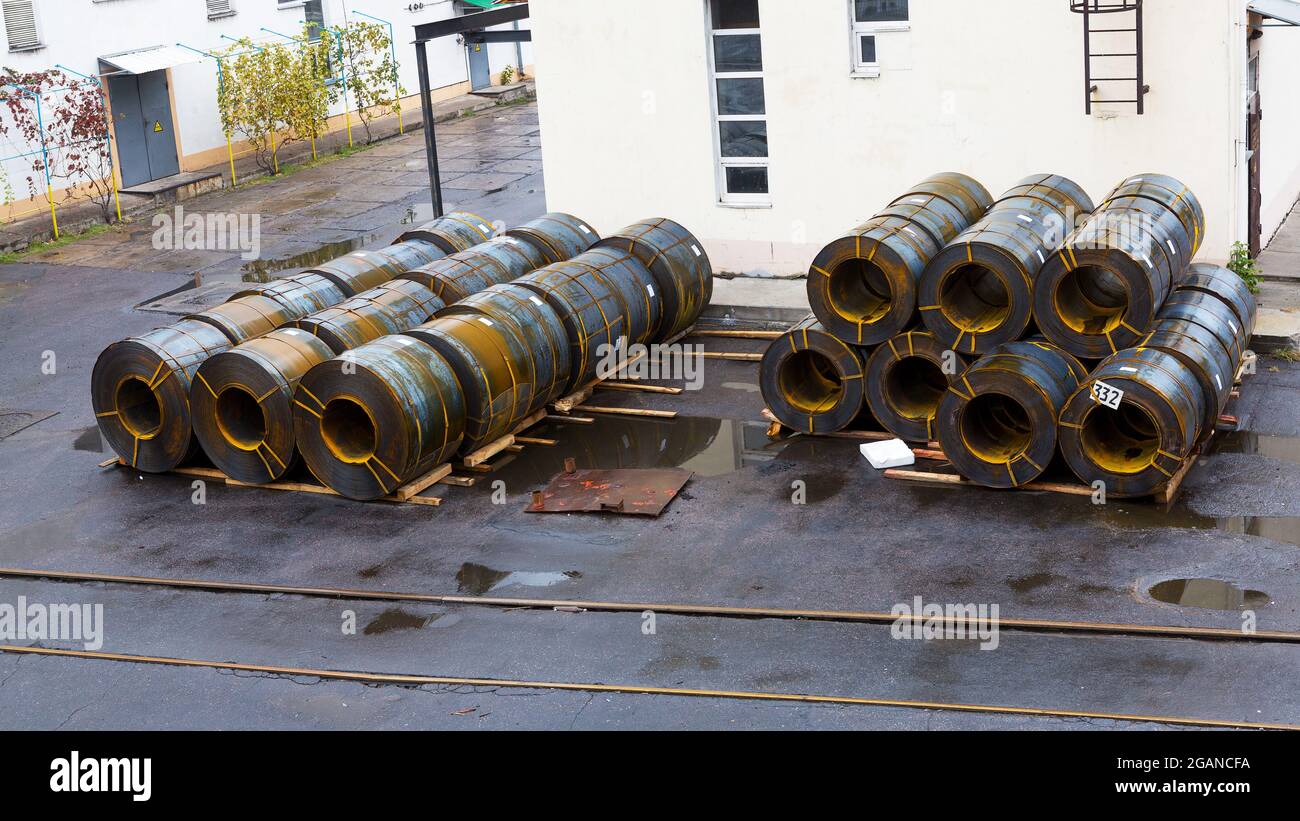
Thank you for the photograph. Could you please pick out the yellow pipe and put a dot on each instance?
(347, 117)
(230, 152)
(275, 155)
(313, 148)
(116, 199)
(400, 128)
(54, 215)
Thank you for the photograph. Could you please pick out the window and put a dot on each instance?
(869, 18)
(739, 103)
(20, 25)
(220, 8)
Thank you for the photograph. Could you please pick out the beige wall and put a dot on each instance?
(991, 88)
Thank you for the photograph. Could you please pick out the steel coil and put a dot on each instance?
(558, 236)
(997, 422)
(1205, 354)
(977, 292)
(1212, 313)
(906, 379)
(452, 232)
(140, 390)
(863, 286)
(1171, 194)
(1134, 449)
(811, 380)
(683, 276)
(396, 306)
(591, 309)
(362, 270)
(378, 416)
(247, 317)
(494, 366)
(301, 293)
(1227, 286)
(242, 403)
(536, 322)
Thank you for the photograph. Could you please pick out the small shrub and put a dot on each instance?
(1241, 264)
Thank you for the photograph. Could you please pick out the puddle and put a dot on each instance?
(1285, 448)
(395, 618)
(1210, 594)
(90, 440)
(477, 579)
(749, 387)
(261, 270)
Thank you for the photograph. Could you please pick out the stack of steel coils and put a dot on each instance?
(378, 366)
(1016, 330)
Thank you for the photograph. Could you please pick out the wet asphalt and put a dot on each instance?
(734, 537)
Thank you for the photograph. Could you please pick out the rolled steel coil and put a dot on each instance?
(633, 283)
(396, 306)
(140, 390)
(452, 232)
(863, 286)
(1170, 193)
(811, 380)
(376, 417)
(1204, 352)
(1076, 365)
(683, 276)
(535, 321)
(301, 293)
(1212, 313)
(977, 292)
(247, 317)
(906, 379)
(362, 270)
(558, 236)
(1227, 286)
(1137, 448)
(1100, 292)
(591, 308)
(997, 423)
(494, 366)
(242, 403)
(499, 260)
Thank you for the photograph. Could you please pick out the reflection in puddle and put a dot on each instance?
(395, 618)
(89, 440)
(1211, 594)
(477, 579)
(261, 270)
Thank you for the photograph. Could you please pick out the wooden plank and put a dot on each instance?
(534, 440)
(107, 462)
(410, 489)
(658, 414)
(458, 481)
(580, 420)
(567, 403)
(489, 450)
(954, 479)
(633, 386)
(737, 333)
(736, 356)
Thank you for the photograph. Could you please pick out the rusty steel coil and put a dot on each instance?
(1100, 292)
(997, 422)
(494, 366)
(977, 292)
(362, 270)
(593, 313)
(1227, 286)
(1076, 365)
(682, 274)
(247, 317)
(396, 306)
(452, 232)
(1136, 448)
(241, 403)
(811, 380)
(499, 260)
(535, 321)
(628, 277)
(558, 236)
(378, 416)
(906, 379)
(1212, 313)
(1170, 193)
(140, 391)
(1205, 354)
(863, 286)
(301, 293)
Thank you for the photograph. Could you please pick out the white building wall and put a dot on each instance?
(1279, 94)
(990, 88)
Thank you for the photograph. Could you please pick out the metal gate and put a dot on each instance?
(142, 120)
(480, 74)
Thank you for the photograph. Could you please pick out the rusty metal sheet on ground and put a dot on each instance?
(639, 491)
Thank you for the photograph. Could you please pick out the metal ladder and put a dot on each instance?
(1092, 11)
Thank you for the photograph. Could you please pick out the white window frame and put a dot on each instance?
(722, 163)
(857, 31)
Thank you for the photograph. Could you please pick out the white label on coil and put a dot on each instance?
(535, 300)
(1024, 217)
(696, 249)
(511, 240)
(292, 331)
(1172, 250)
(1127, 369)
(483, 227)
(1147, 260)
(650, 288)
(1041, 259)
(401, 340)
(909, 230)
(1106, 395)
(1234, 325)
(485, 321)
(1218, 381)
(920, 199)
(584, 228)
